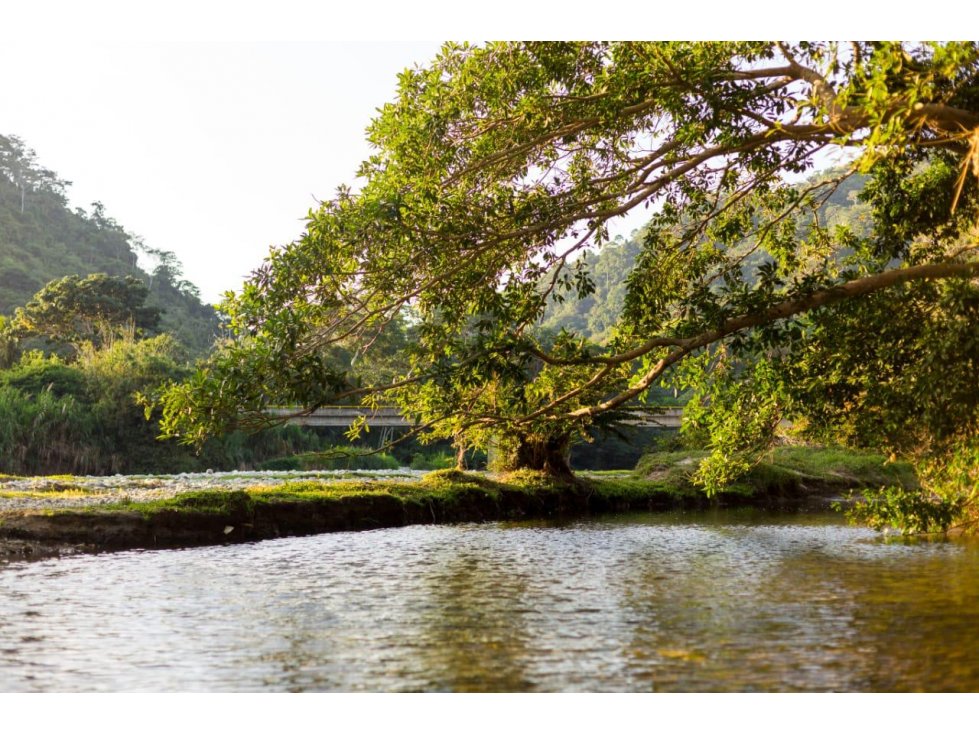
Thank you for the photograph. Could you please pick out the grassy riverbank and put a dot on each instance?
(789, 478)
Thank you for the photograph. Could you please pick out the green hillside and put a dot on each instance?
(594, 317)
(41, 239)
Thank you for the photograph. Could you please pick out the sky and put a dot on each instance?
(211, 128)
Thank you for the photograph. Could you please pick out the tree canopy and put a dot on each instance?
(497, 165)
(74, 309)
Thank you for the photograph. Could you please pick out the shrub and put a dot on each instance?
(913, 511)
(45, 434)
(427, 462)
(283, 463)
(35, 374)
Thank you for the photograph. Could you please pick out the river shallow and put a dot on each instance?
(720, 601)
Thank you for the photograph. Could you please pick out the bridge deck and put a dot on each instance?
(343, 416)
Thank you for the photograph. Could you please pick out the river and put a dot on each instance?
(718, 601)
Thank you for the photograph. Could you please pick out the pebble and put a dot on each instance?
(28, 493)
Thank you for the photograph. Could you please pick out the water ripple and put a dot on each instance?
(735, 601)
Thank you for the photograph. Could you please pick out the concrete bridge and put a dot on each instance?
(342, 416)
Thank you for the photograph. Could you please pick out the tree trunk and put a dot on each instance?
(461, 457)
(551, 455)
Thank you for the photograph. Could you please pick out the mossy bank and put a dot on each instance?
(662, 481)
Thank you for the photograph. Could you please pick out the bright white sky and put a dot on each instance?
(205, 136)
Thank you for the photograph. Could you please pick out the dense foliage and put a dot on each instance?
(81, 416)
(90, 310)
(596, 316)
(496, 165)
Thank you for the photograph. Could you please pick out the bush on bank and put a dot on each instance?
(81, 416)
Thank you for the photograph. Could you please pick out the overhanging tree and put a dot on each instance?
(497, 164)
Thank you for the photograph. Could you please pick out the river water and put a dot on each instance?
(720, 601)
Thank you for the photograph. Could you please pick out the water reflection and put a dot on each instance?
(471, 635)
(721, 601)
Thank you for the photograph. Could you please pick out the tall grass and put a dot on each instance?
(43, 433)
(81, 417)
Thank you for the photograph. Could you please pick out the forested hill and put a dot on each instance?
(42, 239)
(594, 316)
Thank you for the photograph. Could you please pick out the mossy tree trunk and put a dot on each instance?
(548, 454)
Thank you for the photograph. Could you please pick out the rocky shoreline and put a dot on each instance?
(65, 492)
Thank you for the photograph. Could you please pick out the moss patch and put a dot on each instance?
(786, 471)
(843, 466)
